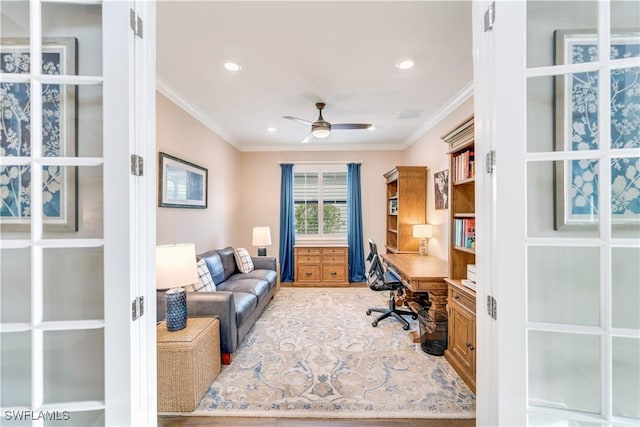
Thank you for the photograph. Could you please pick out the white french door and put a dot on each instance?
(559, 102)
(71, 240)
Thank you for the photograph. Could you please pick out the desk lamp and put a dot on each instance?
(423, 232)
(175, 268)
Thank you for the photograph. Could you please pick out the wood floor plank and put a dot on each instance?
(307, 422)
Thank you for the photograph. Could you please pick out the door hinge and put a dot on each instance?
(137, 308)
(135, 22)
(490, 161)
(137, 165)
(490, 17)
(492, 307)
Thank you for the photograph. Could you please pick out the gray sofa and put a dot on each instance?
(239, 300)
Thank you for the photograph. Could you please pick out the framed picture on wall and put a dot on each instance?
(59, 136)
(182, 184)
(441, 189)
(577, 192)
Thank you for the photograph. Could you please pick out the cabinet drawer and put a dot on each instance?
(333, 259)
(334, 251)
(308, 251)
(462, 299)
(333, 273)
(308, 273)
(308, 259)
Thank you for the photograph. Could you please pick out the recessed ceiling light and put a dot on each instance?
(405, 64)
(371, 128)
(232, 66)
(271, 129)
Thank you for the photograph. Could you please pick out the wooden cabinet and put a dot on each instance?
(461, 304)
(406, 206)
(461, 349)
(321, 266)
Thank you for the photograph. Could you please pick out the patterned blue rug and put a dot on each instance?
(314, 353)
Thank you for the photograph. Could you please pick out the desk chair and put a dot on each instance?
(381, 280)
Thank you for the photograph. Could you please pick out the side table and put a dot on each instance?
(188, 362)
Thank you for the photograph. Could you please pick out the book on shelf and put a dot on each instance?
(464, 165)
(464, 233)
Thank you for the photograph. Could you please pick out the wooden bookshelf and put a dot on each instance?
(406, 205)
(462, 251)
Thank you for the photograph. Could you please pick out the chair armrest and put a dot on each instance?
(264, 262)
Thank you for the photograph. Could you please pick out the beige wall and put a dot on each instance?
(182, 136)
(244, 187)
(431, 151)
(261, 183)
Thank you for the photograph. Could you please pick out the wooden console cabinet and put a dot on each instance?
(461, 349)
(321, 266)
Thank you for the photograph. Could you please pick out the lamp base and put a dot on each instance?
(262, 251)
(176, 308)
(423, 248)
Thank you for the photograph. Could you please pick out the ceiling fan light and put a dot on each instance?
(321, 133)
(405, 64)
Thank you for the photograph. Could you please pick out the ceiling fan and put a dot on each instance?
(322, 128)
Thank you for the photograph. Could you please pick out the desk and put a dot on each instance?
(421, 274)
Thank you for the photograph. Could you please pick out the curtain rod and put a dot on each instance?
(326, 162)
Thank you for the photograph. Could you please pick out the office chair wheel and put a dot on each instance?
(368, 312)
(405, 327)
(374, 323)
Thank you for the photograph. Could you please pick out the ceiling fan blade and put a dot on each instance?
(351, 126)
(307, 138)
(306, 122)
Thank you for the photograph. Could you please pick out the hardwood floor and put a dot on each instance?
(307, 422)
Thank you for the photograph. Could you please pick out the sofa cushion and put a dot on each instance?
(243, 260)
(227, 255)
(205, 282)
(240, 283)
(245, 304)
(214, 264)
(268, 275)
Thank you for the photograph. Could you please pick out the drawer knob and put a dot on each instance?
(456, 297)
(333, 273)
(308, 273)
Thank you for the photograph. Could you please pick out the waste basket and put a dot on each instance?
(433, 331)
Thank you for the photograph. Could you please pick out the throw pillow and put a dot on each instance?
(243, 260)
(205, 281)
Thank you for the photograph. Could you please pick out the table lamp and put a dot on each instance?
(423, 232)
(261, 239)
(175, 268)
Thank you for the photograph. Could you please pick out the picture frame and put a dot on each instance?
(59, 139)
(441, 189)
(576, 108)
(182, 184)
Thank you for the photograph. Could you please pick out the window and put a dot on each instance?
(320, 200)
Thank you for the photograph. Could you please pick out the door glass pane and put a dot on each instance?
(15, 285)
(78, 25)
(15, 369)
(562, 198)
(626, 377)
(564, 371)
(625, 100)
(15, 201)
(625, 197)
(73, 202)
(14, 24)
(625, 271)
(625, 20)
(564, 285)
(73, 284)
(80, 419)
(549, 24)
(73, 365)
(535, 419)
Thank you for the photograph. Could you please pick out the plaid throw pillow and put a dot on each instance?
(243, 260)
(205, 281)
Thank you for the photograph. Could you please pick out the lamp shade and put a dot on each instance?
(261, 236)
(175, 266)
(422, 231)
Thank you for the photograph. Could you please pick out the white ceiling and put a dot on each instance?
(296, 53)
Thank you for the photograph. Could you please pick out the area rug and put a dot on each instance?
(313, 353)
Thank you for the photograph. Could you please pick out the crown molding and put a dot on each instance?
(180, 101)
(322, 147)
(464, 94)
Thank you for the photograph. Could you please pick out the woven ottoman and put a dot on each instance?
(188, 362)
